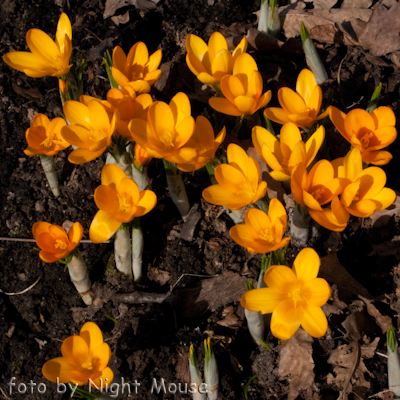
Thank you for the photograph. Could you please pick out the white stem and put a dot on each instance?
(178, 194)
(141, 178)
(274, 22)
(80, 278)
(123, 251)
(300, 227)
(211, 377)
(314, 62)
(124, 161)
(137, 251)
(50, 171)
(394, 372)
(263, 19)
(255, 323)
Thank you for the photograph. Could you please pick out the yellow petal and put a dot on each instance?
(353, 164)
(161, 118)
(98, 117)
(128, 188)
(77, 113)
(376, 157)
(313, 144)
(222, 64)
(316, 292)
(197, 47)
(119, 59)
(63, 28)
(280, 279)
(264, 100)
(255, 85)
(184, 131)
(194, 64)
(82, 156)
(230, 178)
(261, 137)
(291, 102)
(237, 157)
(138, 55)
(306, 84)
(362, 208)
(246, 105)
(103, 227)
(314, 321)
(180, 107)
(277, 211)
(358, 122)
(75, 350)
(290, 136)
(119, 77)
(48, 257)
(40, 227)
(92, 335)
(75, 235)
(244, 64)
(320, 173)
(216, 43)
(57, 370)
(306, 265)
(154, 61)
(106, 199)
(112, 175)
(43, 47)
(298, 182)
(383, 116)
(77, 135)
(181, 156)
(235, 87)
(310, 202)
(257, 221)
(279, 176)
(315, 101)
(337, 117)
(101, 357)
(106, 376)
(260, 192)
(147, 201)
(277, 115)
(286, 319)
(20, 60)
(207, 79)
(349, 193)
(382, 138)
(224, 106)
(264, 300)
(242, 236)
(384, 198)
(298, 155)
(240, 49)
(216, 194)
(373, 179)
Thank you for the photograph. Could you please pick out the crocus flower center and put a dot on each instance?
(167, 138)
(318, 194)
(124, 204)
(87, 365)
(295, 295)
(60, 244)
(366, 139)
(285, 166)
(48, 142)
(96, 136)
(268, 235)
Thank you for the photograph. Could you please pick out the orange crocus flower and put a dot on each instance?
(119, 201)
(44, 136)
(262, 233)
(138, 69)
(142, 158)
(47, 58)
(294, 296)
(91, 129)
(237, 181)
(242, 90)
(84, 360)
(283, 156)
(368, 132)
(300, 107)
(54, 242)
(204, 142)
(167, 129)
(210, 63)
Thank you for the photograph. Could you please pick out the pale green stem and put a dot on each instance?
(211, 374)
(393, 363)
(299, 230)
(141, 178)
(80, 277)
(137, 250)
(50, 171)
(274, 22)
(263, 19)
(123, 251)
(122, 160)
(195, 377)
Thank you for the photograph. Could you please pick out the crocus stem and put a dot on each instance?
(50, 171)
(255, 320)
(373, 103)
(141, 178)
(274, 23)
(263, 19)
(195, 377)
(177, 188)
(299, 229)
(137, 249)
(211, 374)
(393, 362)
(123, 160)
(312, 56)
(123, 250)
(80, 277)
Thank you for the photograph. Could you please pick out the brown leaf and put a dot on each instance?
(322, 4)
(159, 276)
(120, 19)
(27, 93)
(113, 5)
(376, 37)
(356, 4)
(231, 320)
(381, 218)
(297, 362)
(384, 321)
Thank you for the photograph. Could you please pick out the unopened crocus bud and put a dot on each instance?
(195, 377)
(211, 375)
(393, 362)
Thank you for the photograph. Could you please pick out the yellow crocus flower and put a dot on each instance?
(204, 142)
(262, 233)
(242, 90)
(294, 296)
(363, 191)
(368, 132)
(300, 107)
(283, 156)
(119, 201)
(91, 129)
(138, 68)
(44, 136)
(84, 360)
(167, 129)
(142, 158)
(210, 63)
(47, 58)
(238, 183)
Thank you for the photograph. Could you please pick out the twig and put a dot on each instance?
(198, 276)
(25, 290)
(3, 394)
(376, 394)
(34, 240)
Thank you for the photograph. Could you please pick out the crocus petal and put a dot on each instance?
(119, 77)
(106, 199)
(216, 194)
(313, 144)
(57, 369)
(222, 64)
(180, 156)
(263, 299)
(244, 64)
(358, 122)
(224, 106)
(362, 208)
(216, 43)
(286, 319)
(306, 84)
(40, 227)
(138, 55)
(262, 137)
(63, 28)
(81, 156)
(260, 192)
(277, 211)
(383, 116)
(92, 335)
(240, 48)
(383, 137)
(306, 265)
(263, 100)
(279, 176)
(184, 131)
(48, 257)
(194, 64)
(230, 178)
(349, 193)
(154, 60)
(291, 102)
(119, 58)
(353, 164)
(298, 155)
(298, 182)
(103, 227)
(237, 157)
(161, 118)
(196, 46)
(75, 235)
(256, 221)
(20, 60)
(242, 236)
(207, 79)
(255, 85)
(77, 135)
(326, 219)
(384, 198)
(147, 201)
(180, 107)
(310, 202)
(280, 279)
(372, 180)
(106, 377)
(290, 136)
(316, 292)
(75, 350)
(128, 188)
(314, 321)
(101, 357)
(43, 46)
(337, 117)
(112, 175)
(315, 101)
(98, 116)
(77, 113)
(277, 115)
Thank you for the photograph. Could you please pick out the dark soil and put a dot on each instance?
(151, 341)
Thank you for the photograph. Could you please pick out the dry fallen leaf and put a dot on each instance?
(296, 361)
(113, 5)
(381, 218)
(120, 19)
(159, 276)
(384, 321)
(231, 320)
